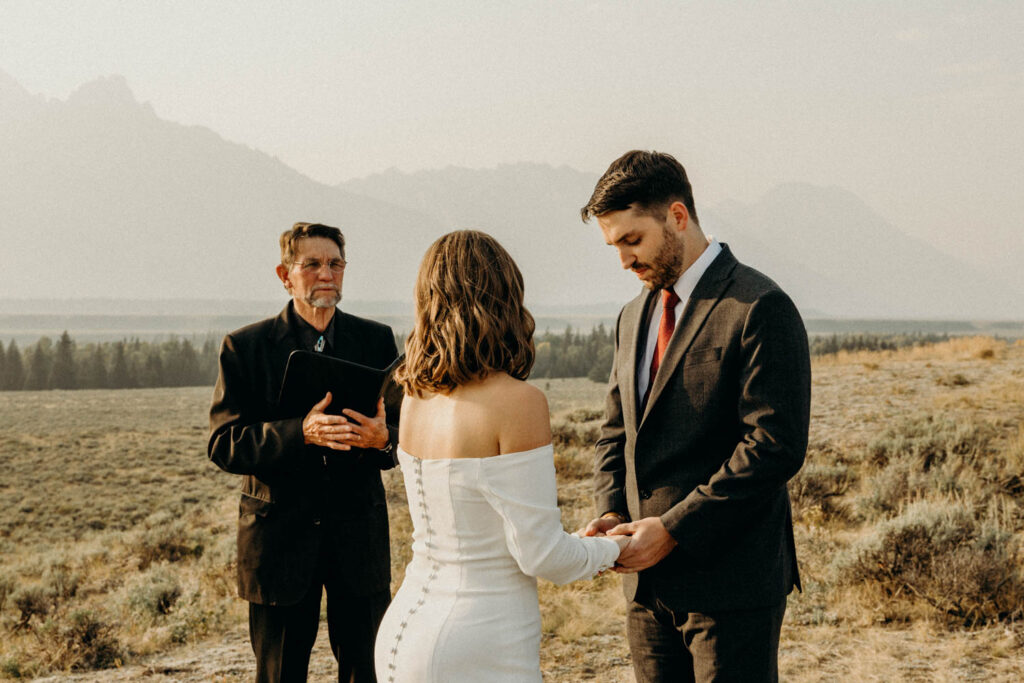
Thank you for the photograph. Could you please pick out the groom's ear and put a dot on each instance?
(678, 216)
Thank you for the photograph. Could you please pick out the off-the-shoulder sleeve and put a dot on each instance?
(521, 488)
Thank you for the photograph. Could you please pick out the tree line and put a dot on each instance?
(574, 354)
(179, 362)
(822, 345)
(125, 364)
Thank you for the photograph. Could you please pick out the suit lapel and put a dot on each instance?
(346, 345)
(633, 323)
(280, 343)
(702, 301)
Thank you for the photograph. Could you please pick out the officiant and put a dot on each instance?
(313, 512)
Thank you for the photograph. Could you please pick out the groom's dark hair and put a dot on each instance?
(648, 181)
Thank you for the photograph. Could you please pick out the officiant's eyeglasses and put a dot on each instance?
(337, 266)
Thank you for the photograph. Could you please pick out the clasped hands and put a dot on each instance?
(343, 432)
(649, 541)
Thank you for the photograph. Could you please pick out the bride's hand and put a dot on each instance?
(621, 541)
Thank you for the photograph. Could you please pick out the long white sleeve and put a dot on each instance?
(522, 490)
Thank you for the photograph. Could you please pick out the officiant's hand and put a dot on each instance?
(366, 432)
(651, 542)
(321, 429)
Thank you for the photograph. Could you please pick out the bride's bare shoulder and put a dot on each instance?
(525, 423)
(502, 387)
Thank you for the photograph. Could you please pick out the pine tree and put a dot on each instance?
(120, 375)
(190, 375)
(208, 365)
(39, 365)
(63, 374)
(181, 364)
(153, 370)
(96, 369)
(602, 367)
(14, 370)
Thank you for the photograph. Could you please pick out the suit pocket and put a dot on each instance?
(701, 356)
(256, 507)
(254, 488)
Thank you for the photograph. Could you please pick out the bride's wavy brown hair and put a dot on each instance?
(470, 318)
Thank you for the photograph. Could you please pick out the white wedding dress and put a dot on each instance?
(483, 529)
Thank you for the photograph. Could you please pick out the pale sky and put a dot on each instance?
(917, 107)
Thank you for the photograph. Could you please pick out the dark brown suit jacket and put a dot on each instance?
(296, 498)
(724, 428)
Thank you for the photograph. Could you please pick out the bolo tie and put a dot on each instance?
(319, 346)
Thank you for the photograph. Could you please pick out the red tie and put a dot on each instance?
(669, 299)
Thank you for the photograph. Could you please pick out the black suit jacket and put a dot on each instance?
(295, 497)
(724, 428)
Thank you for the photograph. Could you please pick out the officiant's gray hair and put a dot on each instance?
(300, 230)
(470, 317)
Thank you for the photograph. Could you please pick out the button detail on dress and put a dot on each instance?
(435, 566)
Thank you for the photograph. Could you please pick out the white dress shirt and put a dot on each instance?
(684, 287)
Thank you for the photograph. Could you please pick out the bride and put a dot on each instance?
(475, 451)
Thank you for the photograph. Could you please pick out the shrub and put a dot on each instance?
(819, 485)
(61, 581)
(569, 435)
(156, 593)
(198, 618)
(6, 588)
(87, 642)
(170, 542)
(885, 491)
(937, 553)
(585, 415)
(571, 464)
(952, 379)
(12, 667)
(31, 601)
(930, 440)
(927, 455)
(1005, 470)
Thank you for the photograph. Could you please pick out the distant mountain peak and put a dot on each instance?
(10, 89)
(526, 168)
(109, 92)
(818, 193)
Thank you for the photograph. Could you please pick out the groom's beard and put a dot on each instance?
(667, 264)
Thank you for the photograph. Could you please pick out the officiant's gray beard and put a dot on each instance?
(317, 300)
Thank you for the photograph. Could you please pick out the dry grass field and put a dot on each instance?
(117, 534)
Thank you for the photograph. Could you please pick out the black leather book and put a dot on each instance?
(309, 376)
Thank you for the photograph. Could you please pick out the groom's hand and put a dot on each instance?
(601, 525)
(650, 544)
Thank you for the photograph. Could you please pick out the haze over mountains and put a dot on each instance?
(101, 198)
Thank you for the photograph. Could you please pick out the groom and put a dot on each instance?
(706, 419)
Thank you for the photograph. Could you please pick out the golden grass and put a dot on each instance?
(92, 479)
(957, 348)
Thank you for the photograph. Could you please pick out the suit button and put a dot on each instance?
(645, 494)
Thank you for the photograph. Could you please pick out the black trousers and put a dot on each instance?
(734, 645)
(282, 637)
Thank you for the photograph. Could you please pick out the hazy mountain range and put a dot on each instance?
(101, 198)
